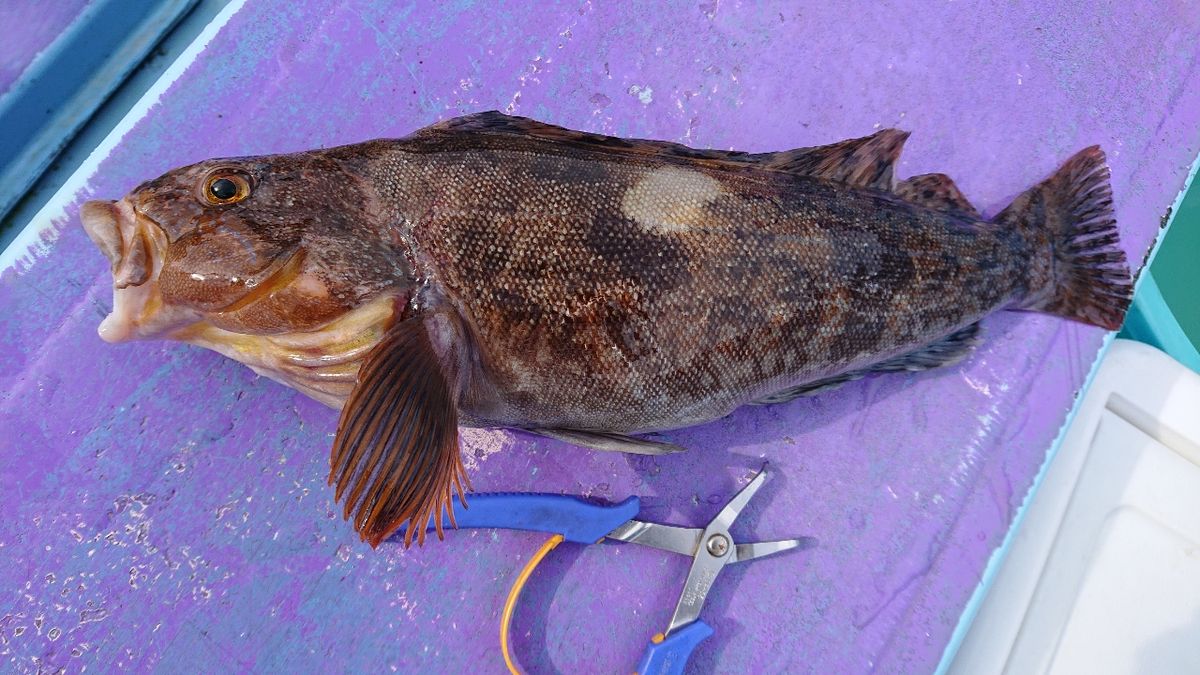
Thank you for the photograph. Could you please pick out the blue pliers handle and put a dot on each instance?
(668, 654)
(574, 519)
(581, 522)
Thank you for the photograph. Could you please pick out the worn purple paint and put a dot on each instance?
(165, 508)
(28, 27)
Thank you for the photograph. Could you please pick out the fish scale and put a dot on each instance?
(495, 271)
(644, 389)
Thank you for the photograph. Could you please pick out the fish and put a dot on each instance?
(497, 271)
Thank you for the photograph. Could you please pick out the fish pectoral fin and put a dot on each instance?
(946, 351)
(613, 442)
(395, 458)
(936, 191)
(867, 162)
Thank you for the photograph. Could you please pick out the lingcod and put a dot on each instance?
(495, 271)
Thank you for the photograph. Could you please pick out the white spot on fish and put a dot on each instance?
(670, 199)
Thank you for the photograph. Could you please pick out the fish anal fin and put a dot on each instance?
(936, 191)
(811, 388)
(946, 351)
(610, 442)
(395, 457)
(866, 162)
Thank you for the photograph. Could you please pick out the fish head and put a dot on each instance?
(254, 246)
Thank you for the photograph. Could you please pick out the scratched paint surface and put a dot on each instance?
(166, 509)
(28, 28)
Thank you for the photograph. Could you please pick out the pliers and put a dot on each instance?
(573, 519)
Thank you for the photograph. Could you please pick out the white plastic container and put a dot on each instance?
(1103, 576)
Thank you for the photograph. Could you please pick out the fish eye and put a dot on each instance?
(226, 188)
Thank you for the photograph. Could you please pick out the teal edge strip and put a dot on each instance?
(1151, 321)
(1000, 554)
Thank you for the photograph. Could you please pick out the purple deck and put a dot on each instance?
(165, 508)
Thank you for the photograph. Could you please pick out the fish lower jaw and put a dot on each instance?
(119, 325)
(138, 313)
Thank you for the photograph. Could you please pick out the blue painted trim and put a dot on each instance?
(67, 83)
(1151, 321)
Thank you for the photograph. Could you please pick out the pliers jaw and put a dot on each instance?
(711, 549)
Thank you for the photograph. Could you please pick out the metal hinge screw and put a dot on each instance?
(718, 545)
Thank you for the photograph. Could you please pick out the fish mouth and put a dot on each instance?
(135, 246)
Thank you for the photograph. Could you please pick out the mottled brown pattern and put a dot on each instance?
(587, 319)
(496, 271)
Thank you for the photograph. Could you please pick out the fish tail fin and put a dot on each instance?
(1077, 268)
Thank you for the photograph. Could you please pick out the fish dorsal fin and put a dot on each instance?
(867, 162)
(495, 123)
(943, 352)
(936, 191)
(861, 162)
(395, 457)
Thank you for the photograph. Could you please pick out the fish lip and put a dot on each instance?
(121, 231)
(135, 245)
(101, 222)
